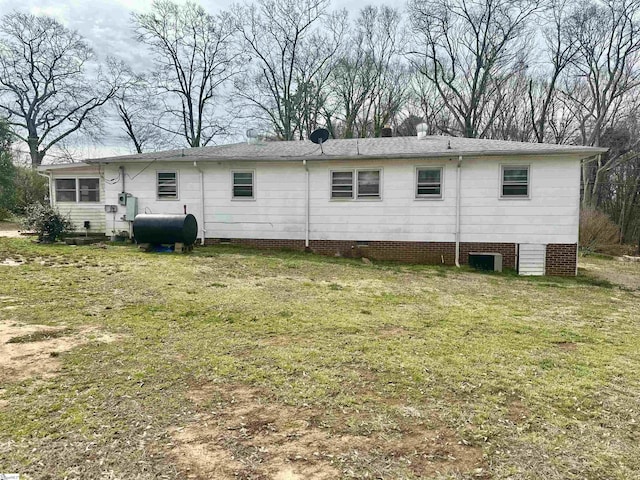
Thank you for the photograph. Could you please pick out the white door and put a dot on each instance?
(531, 259)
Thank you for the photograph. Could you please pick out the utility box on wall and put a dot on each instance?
(132, 208)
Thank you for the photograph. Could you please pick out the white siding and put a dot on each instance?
(79, 212)
(531, 259)
(549, 215)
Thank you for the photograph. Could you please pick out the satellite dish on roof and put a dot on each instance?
(319, 136)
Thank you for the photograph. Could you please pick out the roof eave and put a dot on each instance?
(583, 153)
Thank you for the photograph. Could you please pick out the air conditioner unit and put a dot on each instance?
(486, 261)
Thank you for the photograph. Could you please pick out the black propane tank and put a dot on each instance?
(157, 228)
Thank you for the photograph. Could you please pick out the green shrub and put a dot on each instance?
(30, 188)
(7, 182)
(4, 214)
(46, 221)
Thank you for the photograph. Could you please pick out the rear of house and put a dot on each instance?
(426, 200)
(77, 190)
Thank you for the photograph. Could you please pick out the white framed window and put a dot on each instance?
(342, 184)
(243, 184)
(514, 181)
(368, 183)
(84, 190)
(88, 190)
(429, 182)
(167, 185)
(362, 184)
(66, 189)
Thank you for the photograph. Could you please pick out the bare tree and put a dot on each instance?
(469, 49)
(605, 79)
(290, 57)
(137, 106)
(511, 119)
(365, 91)
(194, 56)
(44, 89)
(424, 101)
(561, 49)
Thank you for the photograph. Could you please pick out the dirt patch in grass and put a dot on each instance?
(620, 273)
(9, 229)
(392, 331)
(11, 262)
(33, 350)
(240, 434)
(566, 346)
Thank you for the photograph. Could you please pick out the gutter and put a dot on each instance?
(306, 204)
(458, 182)
(583, 153)
(204, 230)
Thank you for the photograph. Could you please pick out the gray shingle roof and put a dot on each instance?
(361, 148)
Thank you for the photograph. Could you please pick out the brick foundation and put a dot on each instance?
(508, 251)
(409, 252)
(561, 259)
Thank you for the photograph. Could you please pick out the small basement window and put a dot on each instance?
(88, 190)
(167, 185)
(515, 181)
(243, 185)
(429, 182)
(65, 189)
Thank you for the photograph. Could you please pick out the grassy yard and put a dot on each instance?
(238, 364)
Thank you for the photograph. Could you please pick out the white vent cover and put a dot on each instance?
(531, 259)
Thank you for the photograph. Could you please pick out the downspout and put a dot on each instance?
(306, 205)
(204, 230)
(121, 168)
(458, 182)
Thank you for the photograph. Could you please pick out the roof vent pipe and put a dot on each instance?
(422, 129)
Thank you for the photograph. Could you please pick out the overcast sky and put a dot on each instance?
(106, 24)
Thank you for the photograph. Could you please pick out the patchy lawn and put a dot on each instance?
(237, 364)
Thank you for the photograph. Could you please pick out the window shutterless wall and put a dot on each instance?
(279, 189)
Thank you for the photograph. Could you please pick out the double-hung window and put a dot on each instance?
(243, 185)
(360, 184)
(65, 189)
(429, 182)
(368, 183)
(167, 185)
(85, 190)
(88, 190)
(515, 181)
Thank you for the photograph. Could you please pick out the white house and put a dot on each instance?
(430, 199)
